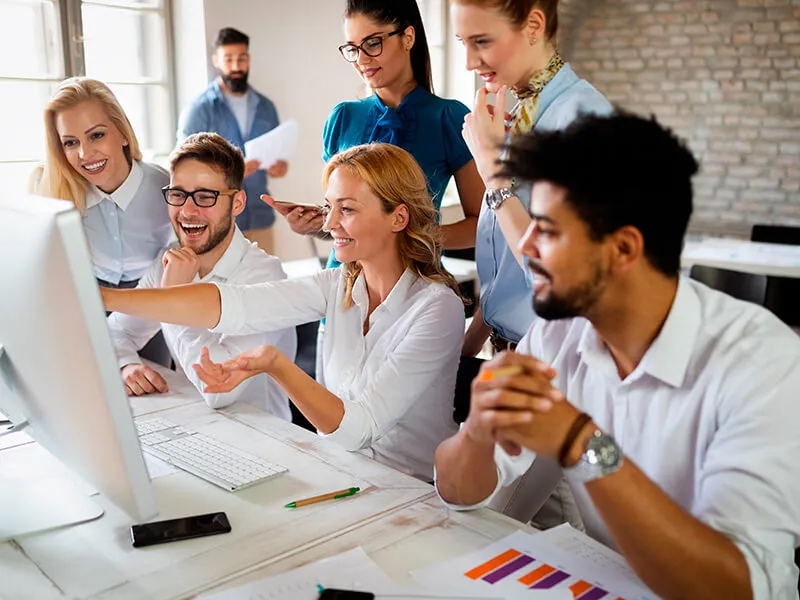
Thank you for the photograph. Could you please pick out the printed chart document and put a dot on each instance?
(561, 560)
(351, 570)
(277, 144)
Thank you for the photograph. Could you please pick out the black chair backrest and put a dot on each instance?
(745, 286)
(776, 234)
(783, 293)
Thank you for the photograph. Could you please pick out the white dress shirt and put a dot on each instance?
(396, 382)
(242, 263)
(128, 228)
(710, 414)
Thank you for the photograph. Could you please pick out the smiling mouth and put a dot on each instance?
(95, 166)
(193, 229)
(341, 241)
(370, 72)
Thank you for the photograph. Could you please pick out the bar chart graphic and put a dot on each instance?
(560, 563)
(534, 574)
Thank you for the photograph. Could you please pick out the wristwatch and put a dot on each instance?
(494, 197)
(601, 456)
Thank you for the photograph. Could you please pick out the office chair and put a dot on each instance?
(783, 293)
(745, 286)
(306, 359)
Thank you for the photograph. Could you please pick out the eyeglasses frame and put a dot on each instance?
(360, 47)
(217, 193)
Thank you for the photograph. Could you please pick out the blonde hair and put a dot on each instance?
(396, 179)
(56, 178)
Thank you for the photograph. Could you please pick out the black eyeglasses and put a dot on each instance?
(201, 198)
(371, 46)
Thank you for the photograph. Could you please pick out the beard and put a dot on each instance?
(216, 235)
(237, 85)
(574, 303)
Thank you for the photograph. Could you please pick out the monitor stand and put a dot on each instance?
(33, 505)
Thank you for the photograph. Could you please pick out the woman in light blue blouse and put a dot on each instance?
(511, 45)
(93, 160)
(386, 45)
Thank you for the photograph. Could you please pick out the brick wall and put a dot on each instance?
(725, 74)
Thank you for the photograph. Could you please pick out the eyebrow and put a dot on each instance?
(543, 218)
(342, 199)
(92, 128)
(366, 37)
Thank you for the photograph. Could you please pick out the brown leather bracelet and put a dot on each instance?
(577, 426)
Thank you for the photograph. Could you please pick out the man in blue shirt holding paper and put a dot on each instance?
(237, 112)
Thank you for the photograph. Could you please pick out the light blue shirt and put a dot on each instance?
(128, 228)
(505, 288)
(212, 111)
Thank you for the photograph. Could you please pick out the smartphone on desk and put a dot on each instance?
(184, 528)
(334, 594)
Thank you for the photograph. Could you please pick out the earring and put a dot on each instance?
(533, 41)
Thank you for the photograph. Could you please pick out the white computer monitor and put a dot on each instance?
(59, 372)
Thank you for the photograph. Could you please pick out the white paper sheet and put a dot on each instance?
(351, 570)
(567, 556)
(277, 144)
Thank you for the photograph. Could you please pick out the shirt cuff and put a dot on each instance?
(128, 359)
(347, 434)
(231, 318)
(465, 507)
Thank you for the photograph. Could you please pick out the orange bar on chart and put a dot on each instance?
(536, 575)
(491, 565)
(578, 588)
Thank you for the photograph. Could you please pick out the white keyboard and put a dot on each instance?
(202, 455)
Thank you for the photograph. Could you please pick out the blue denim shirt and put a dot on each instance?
(211, 112)
(505, 287)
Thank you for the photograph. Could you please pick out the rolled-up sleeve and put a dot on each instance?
(410, 369)
(248, 309)
(750, 484)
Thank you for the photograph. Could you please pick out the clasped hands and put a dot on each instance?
(225, 376)
(522, 410)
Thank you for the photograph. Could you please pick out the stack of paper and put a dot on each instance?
(277, 144)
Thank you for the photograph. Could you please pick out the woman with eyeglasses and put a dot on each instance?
(386, 45)
(94, 161)
(394, 321)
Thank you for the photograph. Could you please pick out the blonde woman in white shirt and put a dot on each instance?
(394, 320)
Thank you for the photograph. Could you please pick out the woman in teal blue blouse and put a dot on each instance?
(386, 44)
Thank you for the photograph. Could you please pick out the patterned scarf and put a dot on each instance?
(524, 113)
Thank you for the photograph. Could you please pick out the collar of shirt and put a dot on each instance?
(394, 301)
(231, 259)
(668, 356)
(565, 78)
(123, 195)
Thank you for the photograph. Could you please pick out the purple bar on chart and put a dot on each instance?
(506, 570)
(550, 581)
(594, 594)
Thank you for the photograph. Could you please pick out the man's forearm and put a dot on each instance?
(466, 473)
(675, 554)
(196, 305)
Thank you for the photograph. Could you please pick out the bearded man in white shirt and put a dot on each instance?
(671, 408)
(204, 197)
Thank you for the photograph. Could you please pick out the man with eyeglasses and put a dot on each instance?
(232, 108)
(203, 197)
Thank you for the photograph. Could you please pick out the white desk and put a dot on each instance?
(463, 270)
(396, 518)
(778, 260)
